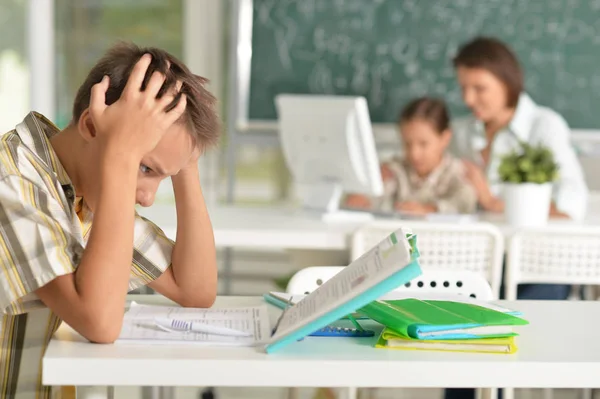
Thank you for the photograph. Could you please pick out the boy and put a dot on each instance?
(68, 225)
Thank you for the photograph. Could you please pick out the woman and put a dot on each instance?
(502, 113)
(492, 86)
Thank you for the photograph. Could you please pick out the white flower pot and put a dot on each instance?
(527, 204)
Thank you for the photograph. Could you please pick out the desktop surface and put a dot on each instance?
(551, 354)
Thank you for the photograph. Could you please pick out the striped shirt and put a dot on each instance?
(43, 232)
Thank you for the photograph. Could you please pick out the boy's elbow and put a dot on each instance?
(102, 337)
(203, 299)
(103, 330)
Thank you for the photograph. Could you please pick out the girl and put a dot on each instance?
(426, 179)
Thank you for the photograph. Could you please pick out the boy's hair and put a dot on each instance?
(497, 58)
(200, 114)
(429, 109)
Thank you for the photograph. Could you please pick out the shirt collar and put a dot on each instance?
(523, 118)
(520, 124)
(35, 132)
(432, 178)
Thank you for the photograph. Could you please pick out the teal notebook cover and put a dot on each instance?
(402, 276)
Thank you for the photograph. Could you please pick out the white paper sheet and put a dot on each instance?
(139, 327)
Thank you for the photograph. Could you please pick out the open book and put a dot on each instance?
(391, 263)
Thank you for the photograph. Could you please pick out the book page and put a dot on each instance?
(427, 295)
(370, 269)
(138, 325)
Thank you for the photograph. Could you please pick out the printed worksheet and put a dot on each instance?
(139, 325)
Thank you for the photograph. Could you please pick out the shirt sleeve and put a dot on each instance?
(151, 253)
(569, 192)
(390, 187)
(459, 195)
(461, 198)
(37, 243)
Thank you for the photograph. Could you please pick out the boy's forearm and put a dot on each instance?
(91, 300)
(103, 274)
(193, 260)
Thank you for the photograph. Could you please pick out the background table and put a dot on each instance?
(281, 227)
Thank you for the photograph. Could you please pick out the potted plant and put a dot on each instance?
(527, 175)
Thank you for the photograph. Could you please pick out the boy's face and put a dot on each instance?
(172, 154)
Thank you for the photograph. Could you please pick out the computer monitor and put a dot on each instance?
(329, 148)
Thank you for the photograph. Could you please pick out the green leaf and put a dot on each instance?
(529, 163)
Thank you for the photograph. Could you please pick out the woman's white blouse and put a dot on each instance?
(534, 124)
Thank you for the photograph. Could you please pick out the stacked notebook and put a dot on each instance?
(444, 325)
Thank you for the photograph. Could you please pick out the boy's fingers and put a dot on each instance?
(134, 83)
(154, 84)
(167, 99)
(98, 96)
(174, 114)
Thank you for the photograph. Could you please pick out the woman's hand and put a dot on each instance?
(358, 201)
(415, 208)
(477, 178)
(386, 173)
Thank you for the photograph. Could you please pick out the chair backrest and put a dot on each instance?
(465, 283)
(475, 247)
(553, 254)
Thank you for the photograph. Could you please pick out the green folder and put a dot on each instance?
(434, 319)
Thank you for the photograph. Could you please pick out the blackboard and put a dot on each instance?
(391, 51)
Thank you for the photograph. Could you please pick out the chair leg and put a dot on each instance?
(351, 393)
(488, 393)
(94, 393)
(547, 394)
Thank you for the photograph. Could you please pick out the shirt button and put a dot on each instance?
(69, 193)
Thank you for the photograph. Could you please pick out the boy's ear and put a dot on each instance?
(85, 126)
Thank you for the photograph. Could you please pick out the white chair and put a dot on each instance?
(552, 255)
(475, 247)
(465, 283)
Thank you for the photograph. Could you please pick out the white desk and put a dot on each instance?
(282, 228)
(264, 228)
(544, 360)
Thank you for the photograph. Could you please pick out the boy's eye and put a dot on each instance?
(144, 169)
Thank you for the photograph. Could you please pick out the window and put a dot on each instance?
(14, 72)
(85, 29)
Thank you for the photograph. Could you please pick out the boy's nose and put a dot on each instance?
(145, 198)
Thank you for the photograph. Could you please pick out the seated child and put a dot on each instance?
(426, 179)
(72, 245)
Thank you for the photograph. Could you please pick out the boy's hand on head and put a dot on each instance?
(137, 121)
